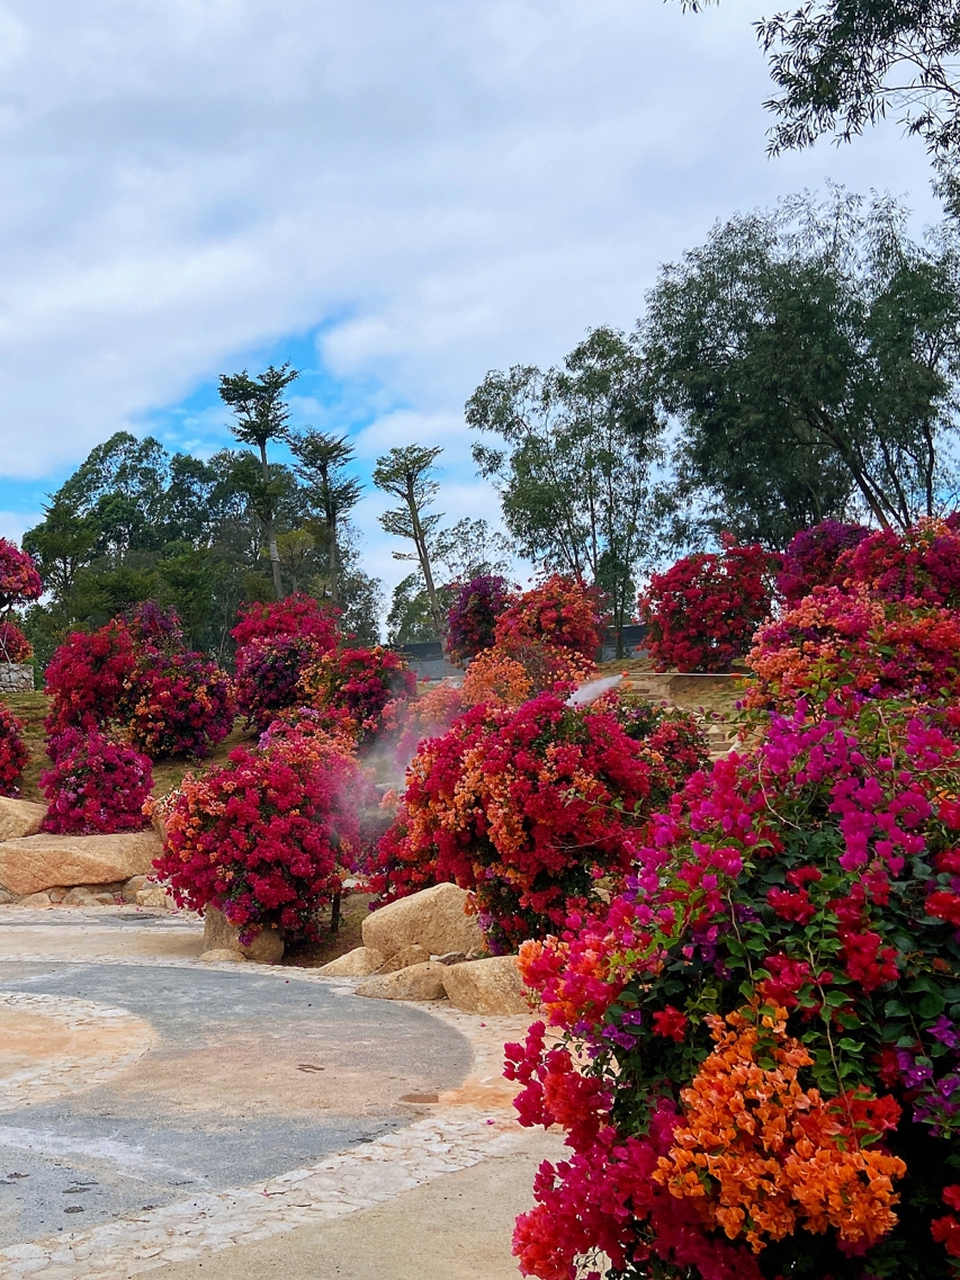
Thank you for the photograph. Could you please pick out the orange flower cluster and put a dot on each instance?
(762, 1157)
(508, 678)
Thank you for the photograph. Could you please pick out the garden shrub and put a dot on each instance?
(96, 786)
(179, 705)
(267, 838)
(13, 752)
(701, 614)
(14, 645)
(920, 565)
(19, 580)
(814, 559)
(88, 678)
(275, 644)
(361, 682)
(473, 616)
(759, 1057)
(560, 612)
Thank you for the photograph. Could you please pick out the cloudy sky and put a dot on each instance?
(396, 197)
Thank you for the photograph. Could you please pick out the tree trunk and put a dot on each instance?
(270, 530)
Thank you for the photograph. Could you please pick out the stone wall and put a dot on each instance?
(16, 677)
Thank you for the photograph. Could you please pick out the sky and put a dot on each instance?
(396, 198)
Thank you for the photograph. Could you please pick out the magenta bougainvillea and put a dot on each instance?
(267, 839)
(275, 644)
(759, 1058)
(815, 558)
(19, 580)
(13, 752)
(920, 566)
(95, 785)
(560, 612)
(701, 614)
(473, 616)
(88, 678)
(14, 645)
(362, 682)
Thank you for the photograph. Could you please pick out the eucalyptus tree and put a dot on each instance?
(322, 461)
(408, 473)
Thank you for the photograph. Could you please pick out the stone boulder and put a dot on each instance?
(404, 958)
(486, 986)
(20, 818)
(358, 963)
(33, 863)
(419, 982)
(220, 935)
(221, 953)
(153, 895)
(434, 919)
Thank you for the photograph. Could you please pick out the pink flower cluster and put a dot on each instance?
(96, 785)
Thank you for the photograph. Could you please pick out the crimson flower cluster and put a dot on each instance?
(19, 580)
(14, 645)
(560, 612)
(473, 616)
(267, 839)
(813, 558)
(920, 565)
(361, 682)
(701, 614)
(95, 786)
(275, 644)
(770, 1014)
(13, 752)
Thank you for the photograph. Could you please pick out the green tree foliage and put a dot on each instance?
(321, 464)
(408, 474)
(575, 467)
(811, 357)
(841, 65)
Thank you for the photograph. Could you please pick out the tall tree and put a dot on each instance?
(811, 356)
(322, 459)
(261, 415)
(842, 65)
(407, 474)
(575, 469)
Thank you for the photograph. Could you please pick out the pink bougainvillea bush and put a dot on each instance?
(758, 1064)
(19, 580)
(13, 752)
(920, 565)
(275, 644)
(560, 612)
(135, 677)
(815, 558)
(95, 786)
(702, 613)
(14, 645)
(267, 839)
(529, 807)
(361, 682)
(473, 616)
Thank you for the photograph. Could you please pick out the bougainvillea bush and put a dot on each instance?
(759, 1057)
(19, 580)
(95, 786)
(135, 677)
(814, 558)
(920, 565)
(473, 616)
(560, 612)
(856, 642)
(701, 614)
(13, 752)
(266, 839)
(275, 644)
(362, 682)
(508, 678)
(14, 645)
(530, 807)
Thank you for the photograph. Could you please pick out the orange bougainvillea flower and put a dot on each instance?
(761, 1156)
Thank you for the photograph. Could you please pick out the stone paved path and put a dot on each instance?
(155, 1110)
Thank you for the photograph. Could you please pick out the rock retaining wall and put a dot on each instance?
(16, 677)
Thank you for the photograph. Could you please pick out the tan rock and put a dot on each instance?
(404, 958)
(6, 898)
(79, 897)
(419, 982)
(434, 919)
(57, 894)
(220, 934)
(358, 963)
(35, 900)
(154, 895)
(132, 887)
(222, 953)
(486, 986)
(33, 863)
(20, 818)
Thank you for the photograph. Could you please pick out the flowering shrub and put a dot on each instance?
(362, 682)
(14, 645)
(275, 644)
(135, 677)
(266, 839)
(920, 565)
(428, 716)
(530, 808)
(813, 559)
(96, 786)
(560, 612)
(19, 580)
(473, 616)
(13, 752)
(702, 613)
(771, 1020)
(853, 641)
(673, 740)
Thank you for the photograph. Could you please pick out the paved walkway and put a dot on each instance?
(194, 1120)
